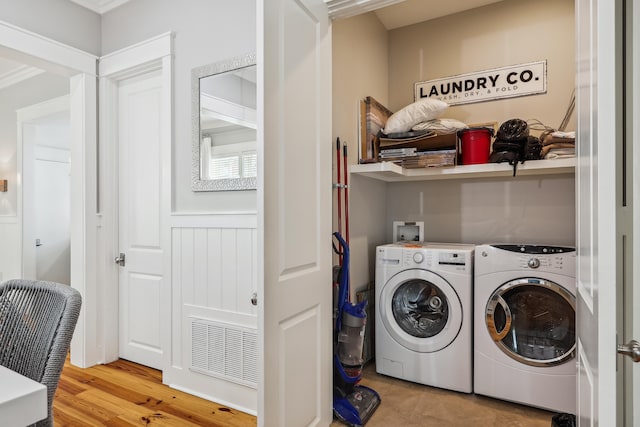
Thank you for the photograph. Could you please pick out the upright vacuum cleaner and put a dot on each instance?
(353, 404)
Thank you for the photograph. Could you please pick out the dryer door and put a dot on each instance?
(533, 321)
(420, 310)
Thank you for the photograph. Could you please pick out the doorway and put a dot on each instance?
(43, 139)
(77, 69)
(26, 92)
(52, 208)
(135, 202)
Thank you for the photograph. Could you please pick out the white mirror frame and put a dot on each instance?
(198, 184)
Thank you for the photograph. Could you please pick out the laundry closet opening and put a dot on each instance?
(379, 55)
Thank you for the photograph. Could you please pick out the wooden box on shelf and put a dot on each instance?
(373, 118)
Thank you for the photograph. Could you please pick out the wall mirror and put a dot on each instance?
(223, 97)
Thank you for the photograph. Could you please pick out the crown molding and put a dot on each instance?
(346, 8)
(17, 75)
(100, 6)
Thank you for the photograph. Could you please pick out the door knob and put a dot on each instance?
(254, 298)
(120, 259)
(632, 349)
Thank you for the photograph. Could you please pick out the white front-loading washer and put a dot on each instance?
(524, 325)
(424, 299)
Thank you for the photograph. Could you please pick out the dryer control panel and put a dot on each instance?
(542, 257)
(535, 249)
(539, 258)
(543, 262)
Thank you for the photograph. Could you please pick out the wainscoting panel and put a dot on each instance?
(214, 326)
(216, 267)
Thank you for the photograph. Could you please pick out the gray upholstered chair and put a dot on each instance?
(37, 320)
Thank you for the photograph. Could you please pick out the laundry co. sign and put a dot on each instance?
(504, 82)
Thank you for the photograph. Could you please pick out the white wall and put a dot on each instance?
(360, 52)
(491, 210)
(60, 20)
(28, 92)
(10, 258)
(205, 32)
(500, 34)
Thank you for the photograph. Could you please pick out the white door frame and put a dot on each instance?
(50, 55)
(26, 115)
(629, 371)
(598, 197)
(149, 55)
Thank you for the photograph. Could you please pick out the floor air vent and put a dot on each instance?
(225, 351)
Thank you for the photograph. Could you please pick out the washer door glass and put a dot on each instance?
(420, 308)
(533, 321)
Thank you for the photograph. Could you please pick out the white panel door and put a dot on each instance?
(599, 204)
(37, 127)
(52, 201)
(142, 283)
(294, 213)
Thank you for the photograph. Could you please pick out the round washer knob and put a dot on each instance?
(533, 263)
(418, 257)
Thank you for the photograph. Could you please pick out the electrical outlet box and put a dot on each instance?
(408, 231)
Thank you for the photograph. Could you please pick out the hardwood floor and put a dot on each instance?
(126, 394)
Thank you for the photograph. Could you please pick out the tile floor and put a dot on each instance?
(406, 404)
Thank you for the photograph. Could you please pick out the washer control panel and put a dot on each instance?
(416, 258)
(434, 256)
(450, 260)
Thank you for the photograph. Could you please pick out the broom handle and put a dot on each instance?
(346, 194)
(339, 187)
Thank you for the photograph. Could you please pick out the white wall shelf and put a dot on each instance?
(390, 172)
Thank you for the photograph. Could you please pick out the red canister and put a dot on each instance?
(475, 145)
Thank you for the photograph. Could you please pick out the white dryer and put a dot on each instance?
(524, 339)
(424, 299)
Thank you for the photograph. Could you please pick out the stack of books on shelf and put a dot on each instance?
(420, 159)
(419, 151)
